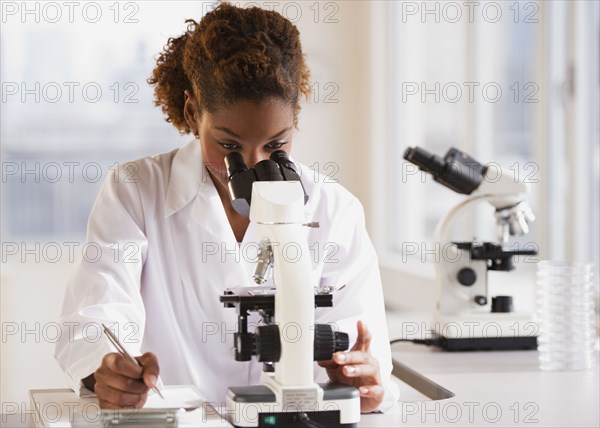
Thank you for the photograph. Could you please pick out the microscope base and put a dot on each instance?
(256, 406)
(488, 343)
(486, 332)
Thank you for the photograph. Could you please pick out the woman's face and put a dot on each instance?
(253, 129)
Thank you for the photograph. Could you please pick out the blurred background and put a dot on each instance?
(514, 84)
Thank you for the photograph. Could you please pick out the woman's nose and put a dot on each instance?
(254, 158)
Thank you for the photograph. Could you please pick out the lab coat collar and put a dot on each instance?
(188, 175)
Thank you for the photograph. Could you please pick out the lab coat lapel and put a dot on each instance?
(202, 237)
(236, 260)
(186, 177)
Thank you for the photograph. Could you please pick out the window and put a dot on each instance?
(75, 103)
(493, 79)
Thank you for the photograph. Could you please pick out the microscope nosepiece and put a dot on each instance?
(517, 224)
(517, 218)
(264, 263)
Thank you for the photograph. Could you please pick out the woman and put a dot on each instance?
(168, 241)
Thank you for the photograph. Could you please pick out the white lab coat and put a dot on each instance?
(160, 252)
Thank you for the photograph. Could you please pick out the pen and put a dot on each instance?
(113, 339)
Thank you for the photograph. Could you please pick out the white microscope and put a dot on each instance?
(466, 318)
(272, 195)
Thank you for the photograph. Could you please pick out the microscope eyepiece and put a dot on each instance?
(426, 161)
(240, 182)
(457, 170)
(267, 170)
(235, 163)
(288, 169)
(241, 178)
(283, 160)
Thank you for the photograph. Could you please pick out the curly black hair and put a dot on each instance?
(233, 54)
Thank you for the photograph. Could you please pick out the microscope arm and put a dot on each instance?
(445, 227)
(278, 211)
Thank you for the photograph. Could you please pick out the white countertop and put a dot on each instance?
(504, 388)
(493, 389)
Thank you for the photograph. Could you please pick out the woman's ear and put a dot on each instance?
(190, 112)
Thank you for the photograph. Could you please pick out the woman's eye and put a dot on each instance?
(229, 146)
(276, 145)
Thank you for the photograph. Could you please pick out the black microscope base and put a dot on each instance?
(325, 418)
(519, 343)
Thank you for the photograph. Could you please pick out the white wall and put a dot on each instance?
(31, 299)
(339, 132)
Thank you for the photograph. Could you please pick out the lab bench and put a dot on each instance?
(449, 389)
(437, 388)
(492, 389)
(487, 388)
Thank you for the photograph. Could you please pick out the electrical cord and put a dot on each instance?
(436, 341)
(303, 417)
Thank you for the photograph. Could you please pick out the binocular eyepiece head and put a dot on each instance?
(278, 167)
(456, 170)
(266, 170)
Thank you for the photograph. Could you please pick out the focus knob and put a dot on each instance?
(327, 342)
(244, 346)
(268, 343)
(502, 304)
(466, 276)
(480, 300)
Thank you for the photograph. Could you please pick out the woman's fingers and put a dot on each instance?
(118, 398)
(363, 339)
(121, 383)
(151, 369)
(353, 357)
(361, 370)
(358, 368)
(371, 391)
(117, 363)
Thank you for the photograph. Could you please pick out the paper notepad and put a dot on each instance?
(176, 397)
(198, 413)
(183, 406)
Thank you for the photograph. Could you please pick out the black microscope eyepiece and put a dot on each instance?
(267, 170)
(426, 161)
(241, 178)
(235, 163)
(457, 170)
(287, 167)
(282, 159)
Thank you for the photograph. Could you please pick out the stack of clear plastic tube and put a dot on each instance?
(566, 316)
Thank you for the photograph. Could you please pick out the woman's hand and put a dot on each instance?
(358, 368)
(122, 384)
